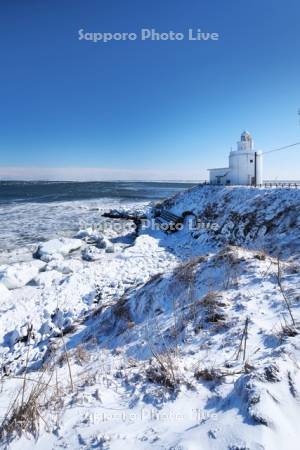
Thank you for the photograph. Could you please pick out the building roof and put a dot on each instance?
(220, 168)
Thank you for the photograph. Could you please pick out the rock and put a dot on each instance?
(62, 246)
(19, 274)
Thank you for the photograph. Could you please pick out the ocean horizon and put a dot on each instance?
(49, 191)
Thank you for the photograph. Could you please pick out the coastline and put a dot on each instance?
(184, 296)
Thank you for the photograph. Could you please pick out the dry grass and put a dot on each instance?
(121, 309)
(215, 374)
(212, 299)
(162, 368)
(261, 256)
(283, 293)
(287, 331)
(37, 396)
(154, 279)
(25, 413)
(229, 254)
(130, 325)
(210, 211)
(230, 260)
(208, 374)
(185, 272)
(293, 268)
(162, 371)
(23, 417)
(214, 305)
(81, 355)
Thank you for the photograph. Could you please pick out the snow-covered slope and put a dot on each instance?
(265, 219)
(180, 341)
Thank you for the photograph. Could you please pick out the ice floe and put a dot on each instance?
(19, 274)
(62, 246)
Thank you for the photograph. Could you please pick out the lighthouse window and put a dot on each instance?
(251, 160)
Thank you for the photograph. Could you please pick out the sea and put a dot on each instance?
(33, 212)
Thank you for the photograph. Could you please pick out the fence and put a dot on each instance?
(289, 185)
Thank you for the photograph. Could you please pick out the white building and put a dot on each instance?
(245, 165)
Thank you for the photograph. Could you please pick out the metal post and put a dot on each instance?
(255, 170)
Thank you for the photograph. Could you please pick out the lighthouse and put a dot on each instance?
(245, 165)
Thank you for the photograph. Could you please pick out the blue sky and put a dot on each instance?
(154, 110)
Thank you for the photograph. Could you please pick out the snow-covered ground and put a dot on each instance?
(166, 341)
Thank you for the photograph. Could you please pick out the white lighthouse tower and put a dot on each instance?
(245, 165)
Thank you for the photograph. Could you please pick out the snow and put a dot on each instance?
(19, 274)
(154, 330)
(62, 246)
(65, 267)
(4, 292)
(92, 254)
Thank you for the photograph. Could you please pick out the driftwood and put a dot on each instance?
(136, 219)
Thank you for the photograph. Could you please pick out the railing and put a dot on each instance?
(280, 185)
(289, 185)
